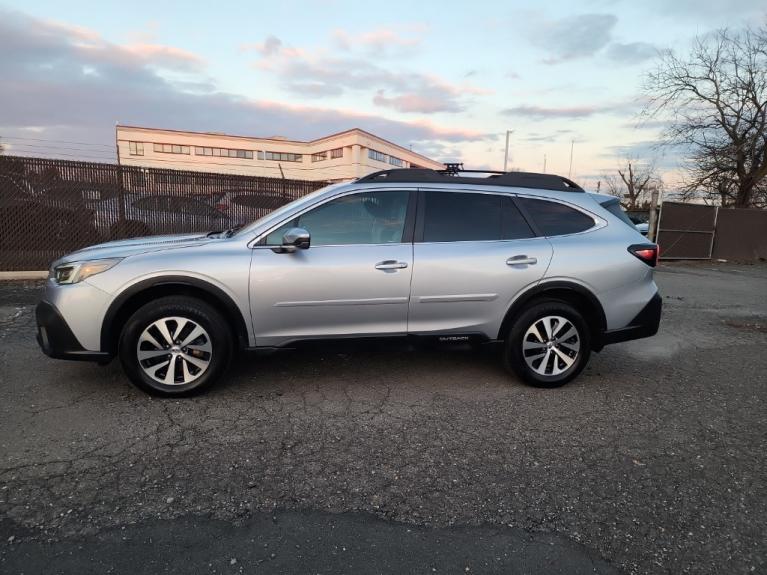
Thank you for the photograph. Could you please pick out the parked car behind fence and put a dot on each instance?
(51, 207)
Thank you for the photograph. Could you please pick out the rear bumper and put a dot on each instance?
(55, 337)
(645, 324)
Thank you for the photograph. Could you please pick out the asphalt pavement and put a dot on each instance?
(400, 460)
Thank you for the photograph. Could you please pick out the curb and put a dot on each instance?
(25, 275)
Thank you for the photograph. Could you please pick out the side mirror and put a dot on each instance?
(295, 239)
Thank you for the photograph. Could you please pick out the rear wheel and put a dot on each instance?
(548, 345)
(176, 345)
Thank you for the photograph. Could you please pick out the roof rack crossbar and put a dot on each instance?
(509, 179)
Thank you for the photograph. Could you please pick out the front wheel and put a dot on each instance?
(548, 345)
(175, 345)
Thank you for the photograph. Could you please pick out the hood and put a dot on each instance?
(134, 246)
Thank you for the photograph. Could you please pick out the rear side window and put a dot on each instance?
(555, 219)
(614, 207)
(513, 224)
(463, 217)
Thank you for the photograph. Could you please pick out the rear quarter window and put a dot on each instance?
(614, 207)
(555, 219)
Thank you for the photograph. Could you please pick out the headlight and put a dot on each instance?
(73, 272)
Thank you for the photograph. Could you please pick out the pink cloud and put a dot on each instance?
(168, 55)
(380, 40)
(325, 73)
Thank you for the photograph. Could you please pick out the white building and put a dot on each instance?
(343, 156)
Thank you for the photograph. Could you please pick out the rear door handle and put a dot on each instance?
(521, 261)
(391, 265)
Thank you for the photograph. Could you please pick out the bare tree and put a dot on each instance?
(632, 183)
(715, 98)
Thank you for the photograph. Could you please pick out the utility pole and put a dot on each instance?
(652, 225)
(544, 163)
(570, 171)
(506, 153)
(120, 186)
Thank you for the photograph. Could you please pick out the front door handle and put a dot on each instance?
(391, 265)
(521, 261)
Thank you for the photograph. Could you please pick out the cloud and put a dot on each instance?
(381, 41)
(415, 103)
(326, 73)
(168, 56)
(711, 11)
(69, 83)
(574, 37)
(271, 45)
(550, 137)
(662, 157)
(631, 53)
(543, 113)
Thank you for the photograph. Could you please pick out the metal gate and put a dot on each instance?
(686, 231)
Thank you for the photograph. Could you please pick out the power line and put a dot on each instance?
(55, 155)
(59, 148)
(55, 141)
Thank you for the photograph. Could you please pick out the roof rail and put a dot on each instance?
(510, 179)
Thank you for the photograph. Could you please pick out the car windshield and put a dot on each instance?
(284, 210)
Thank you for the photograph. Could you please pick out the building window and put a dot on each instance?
(375, 155)
(319, 156)
(223, 153)
(396, 161)
(283, 157)
(337, 153)
(136, 148)
(171, 149)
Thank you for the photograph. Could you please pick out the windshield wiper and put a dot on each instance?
(233, 230)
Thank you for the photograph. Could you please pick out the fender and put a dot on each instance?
(109, 331)
(594, 315)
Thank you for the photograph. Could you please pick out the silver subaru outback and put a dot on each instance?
(528, 261)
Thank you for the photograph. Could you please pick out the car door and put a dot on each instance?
(473, 253)
(354, 279)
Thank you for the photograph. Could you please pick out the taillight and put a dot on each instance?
(648, 253)
(222, 207)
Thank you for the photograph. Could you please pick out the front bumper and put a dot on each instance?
(645, 324)
(55, 337)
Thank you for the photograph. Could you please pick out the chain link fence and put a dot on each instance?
(51, 207)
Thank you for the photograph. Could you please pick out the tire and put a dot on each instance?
(543, 364)
(200, 358)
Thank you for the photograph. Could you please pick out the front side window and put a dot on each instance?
(365, 218)
(463, 217)
(555, 219)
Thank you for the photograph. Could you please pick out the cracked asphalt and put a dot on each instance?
(381, 460)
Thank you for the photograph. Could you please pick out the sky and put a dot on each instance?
(445, 78)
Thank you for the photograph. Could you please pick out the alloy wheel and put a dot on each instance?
(551, 345)
(174, 350)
